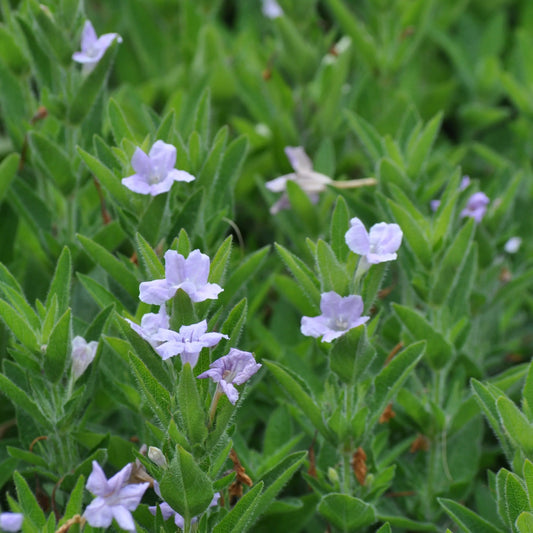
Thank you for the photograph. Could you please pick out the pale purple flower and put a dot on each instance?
(434, 204)
(114, 498)
(311, 182)
(155, 172)
(234, 368)
(377, 246)
(93, 47)
(188, 342)
(189, 274)
(476, 207)
(513, 245)
(339, 315)
(271, 9)
(82, 355)
(151, 323)
(167, 511)
(11, 521)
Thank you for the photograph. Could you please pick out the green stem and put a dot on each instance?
(213, 407)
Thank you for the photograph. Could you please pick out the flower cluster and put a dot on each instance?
(341, 314)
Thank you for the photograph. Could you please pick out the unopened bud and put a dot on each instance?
(156, 456)
(333, 476)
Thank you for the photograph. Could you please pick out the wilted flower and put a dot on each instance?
(377, 246)
(151, 323)
(155, 172)
(513, 245)
(93, 47)
(476, 207)
(167, 511)
(82, 355)
(11, 521)
(310, 182)
(188, 342)
(271, 9)
(339, 315)
(235, 368)
(114, 498)
(189, 274)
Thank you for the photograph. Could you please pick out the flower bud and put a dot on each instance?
(156, 456)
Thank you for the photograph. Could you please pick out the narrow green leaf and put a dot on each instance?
(340, 223)
(8, 171)
(30, 507)
(18, 326)
(58, 349)
(367, 134)
(466, 518)
(60, 284)
(100, 294)
(418, 148)
(119, 124)
(516, 425)
(191, 407)
(148, 258)
(524, 522)
(21, 399)
(332, 273)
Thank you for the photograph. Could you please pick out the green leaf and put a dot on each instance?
(156, 396)
(524, 522)
(232, 327)
(332, 273)
(106, 177)
(54, 160)
(60, 284)
(21, 399)
(466, 518)
(302, 207)
(528, 478)
(243, 515)
(30, 507)
(100, 294)
(115, 268)
(340, 223)
(302, 399)
(191, 407)
(148, 258)
(8, 171)
(449, 268)
(516, 497)
(75, 500)
(439, 350)
(346, 512)
(91, 86)
(392, 377)
(516, 425)
(184, 485)
(119, 124)
(418, 148)
(302, 274)
(414, 234)
(220, 261)
(367, 134)
(58, 349)
(18, 326)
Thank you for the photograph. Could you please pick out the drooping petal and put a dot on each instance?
(357, 237)
(11, 521)
(82, 57)
(170, 349)
(212, 339)
(136, 183)
(98, 513)
(105, 40)
(180, 175)
(155, 292)
(279, 184)
(230, 391)
(161, 187)
(123, 517)
(163, 156)
(298, 158)
(315, 326)
(209, 291)
(131, 495)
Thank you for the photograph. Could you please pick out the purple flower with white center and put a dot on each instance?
(151, 323)
(188, 342)
(476, 207)
(167, 511)
(114, 498)
(378, 245)
(339, 315)
(93, 47)
(271, 9)
(11, 521)
(234, 368)
(155, 172)
(82, 355)
(311, 182)
(189, 274)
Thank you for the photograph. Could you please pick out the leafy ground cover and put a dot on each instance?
(266, 266)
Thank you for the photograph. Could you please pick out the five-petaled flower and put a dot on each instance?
(378, 245)
(234, 368)
(82, 355)
(11, 521)
(93, 47)
(188, 342)
(189, 274)
(476, 207)
(339, 315)
(155, 172)
(114, 498)
(151, 323)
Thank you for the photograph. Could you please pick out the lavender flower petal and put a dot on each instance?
(11, 521)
